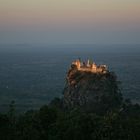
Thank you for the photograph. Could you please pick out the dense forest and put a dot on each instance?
(52, 123)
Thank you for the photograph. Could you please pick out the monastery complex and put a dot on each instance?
(90, 67)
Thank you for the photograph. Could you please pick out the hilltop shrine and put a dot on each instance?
(89, 66)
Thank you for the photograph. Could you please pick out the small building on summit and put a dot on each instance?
(89, 66)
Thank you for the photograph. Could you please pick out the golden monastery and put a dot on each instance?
(89, 66)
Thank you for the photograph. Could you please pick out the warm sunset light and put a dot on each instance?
(69, 69)
(67, 21)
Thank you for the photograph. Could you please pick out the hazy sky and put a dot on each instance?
(70, 21)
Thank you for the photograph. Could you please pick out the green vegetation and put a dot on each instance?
(54, 123)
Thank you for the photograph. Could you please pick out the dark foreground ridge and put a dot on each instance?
(92, 108)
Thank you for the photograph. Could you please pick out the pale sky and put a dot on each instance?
(70, 21)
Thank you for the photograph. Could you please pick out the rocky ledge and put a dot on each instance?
(96, 91)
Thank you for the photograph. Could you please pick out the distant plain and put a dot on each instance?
(33, 74)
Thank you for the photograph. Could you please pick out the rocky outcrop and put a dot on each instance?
(91, 90)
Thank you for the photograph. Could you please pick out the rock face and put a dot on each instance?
(91, 90)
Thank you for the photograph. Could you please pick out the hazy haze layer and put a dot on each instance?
(70, 21)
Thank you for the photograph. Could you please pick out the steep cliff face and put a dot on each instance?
(91, 90)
